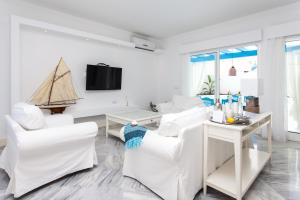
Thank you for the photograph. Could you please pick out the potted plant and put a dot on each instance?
(209, 87)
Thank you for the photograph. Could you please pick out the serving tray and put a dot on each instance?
(238, 121)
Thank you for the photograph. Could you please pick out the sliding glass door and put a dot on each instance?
(293, 85)
(227, 71)
(238, 72)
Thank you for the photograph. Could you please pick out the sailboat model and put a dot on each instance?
(57, 91)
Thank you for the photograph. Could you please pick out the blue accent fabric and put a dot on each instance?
(235, 98)
(231, 55)
(224, 101)
(207, 101)
(134, 136)
(211, 57)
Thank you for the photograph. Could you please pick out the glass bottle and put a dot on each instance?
(218, 105)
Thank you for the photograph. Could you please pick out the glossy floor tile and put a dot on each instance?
(280, 180)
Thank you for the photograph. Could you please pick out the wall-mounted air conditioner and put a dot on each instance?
(143, 44)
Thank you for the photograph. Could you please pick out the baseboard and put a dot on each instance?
(294, 136)
(2, 142)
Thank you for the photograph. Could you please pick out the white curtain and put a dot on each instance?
(186, 76)
(293, 86)
(198, 75)
(272, 71)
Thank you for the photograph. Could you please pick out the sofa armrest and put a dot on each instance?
(59, 120)
(191, 131)
(161, 146)
(192, 143)
(50, 137)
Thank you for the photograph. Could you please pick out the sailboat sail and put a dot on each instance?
(57, 89)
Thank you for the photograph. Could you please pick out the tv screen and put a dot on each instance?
(103, 78)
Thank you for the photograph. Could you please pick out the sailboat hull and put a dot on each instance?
(57, 109)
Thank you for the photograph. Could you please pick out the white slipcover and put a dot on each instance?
(172, 167)
(34, 158)
(28, 116)
(171, 124)
(179, 104)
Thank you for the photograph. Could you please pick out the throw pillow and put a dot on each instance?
(30, 117)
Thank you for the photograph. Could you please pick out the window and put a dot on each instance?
(231, 69)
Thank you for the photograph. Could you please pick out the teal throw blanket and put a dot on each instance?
(134, 135)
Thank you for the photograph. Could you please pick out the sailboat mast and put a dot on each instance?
(53, 82)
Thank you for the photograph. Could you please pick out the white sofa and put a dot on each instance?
(172, 167)
(33, 158)
(179, 104)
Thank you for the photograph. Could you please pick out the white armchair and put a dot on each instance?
(172, 167)
(33, 158)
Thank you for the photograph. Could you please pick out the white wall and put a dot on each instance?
(40, 53)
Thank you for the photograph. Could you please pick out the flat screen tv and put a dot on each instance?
(103, 78)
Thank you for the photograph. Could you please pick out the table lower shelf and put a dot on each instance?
(115, 130)
(223, 179)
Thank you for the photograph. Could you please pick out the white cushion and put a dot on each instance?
(167, 108)
(28, 116)
(184, 102)
(179, 101)
(172, 124)
(197, 117)
(192, 102)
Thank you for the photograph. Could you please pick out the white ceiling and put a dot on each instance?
(161, 18)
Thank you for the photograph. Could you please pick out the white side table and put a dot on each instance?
(235, 176)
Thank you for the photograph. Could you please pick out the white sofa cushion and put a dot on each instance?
(192, 102)
(172, 124)
(179, 101)
(28, 116)
(168, 108)
(184, 102)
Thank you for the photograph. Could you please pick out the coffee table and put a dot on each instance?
(116, 120)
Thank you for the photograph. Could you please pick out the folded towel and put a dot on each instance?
(134, 135)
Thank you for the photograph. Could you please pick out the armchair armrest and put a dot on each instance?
(161, 146)
(59, 120)
(46, 138)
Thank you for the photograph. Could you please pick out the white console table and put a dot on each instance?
(235, 176)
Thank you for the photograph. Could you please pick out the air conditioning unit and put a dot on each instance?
(143, 44)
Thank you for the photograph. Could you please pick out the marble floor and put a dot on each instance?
(280, 180)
